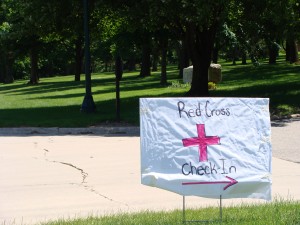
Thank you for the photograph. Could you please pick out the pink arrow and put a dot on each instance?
(229, 183)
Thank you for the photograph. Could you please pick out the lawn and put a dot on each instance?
(56, 101)
(279, 82)
(274, 213)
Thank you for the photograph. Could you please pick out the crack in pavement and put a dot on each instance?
(84, 176)
(91, 189)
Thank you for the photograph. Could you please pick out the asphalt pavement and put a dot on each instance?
(70, 173)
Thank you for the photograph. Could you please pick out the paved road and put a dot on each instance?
(286, 140)
(50, 177)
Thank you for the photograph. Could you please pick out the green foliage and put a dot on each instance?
(177, 84)
(212, 86)
(21, 68)
(119, 27)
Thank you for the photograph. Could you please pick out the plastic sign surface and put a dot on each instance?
(207, 146)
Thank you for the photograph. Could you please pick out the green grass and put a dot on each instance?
(274, 213)
(56, 101)
(280, 83)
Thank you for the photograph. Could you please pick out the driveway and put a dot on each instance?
(49, 177)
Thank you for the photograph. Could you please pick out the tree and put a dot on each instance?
(145, 42)
(226, 40)
(113, 36)
(6, 54)
(184, 57)
(29, 26)
(273, 26)
(199, 20)
(254, 26)
(23, 31)
(163, 32)
(292, 31)
(162, 37)
(141, 22)
(66, 18)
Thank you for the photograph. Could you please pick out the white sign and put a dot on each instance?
(207, 146)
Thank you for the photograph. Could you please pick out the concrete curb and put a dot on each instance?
(102, 131)
(99, 130)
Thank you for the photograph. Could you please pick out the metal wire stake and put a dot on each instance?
(183, 208)
(221, 209)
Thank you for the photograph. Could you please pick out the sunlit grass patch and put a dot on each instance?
(278, 212)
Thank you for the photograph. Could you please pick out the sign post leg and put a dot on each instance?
(221, 209)
(183, 209)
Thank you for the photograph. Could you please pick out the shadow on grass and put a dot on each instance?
(129, 80)
(286, 93)
(280, 83)
(66, 116)
(99, 86)
(42, 87)
(247, 73)
(70, 116)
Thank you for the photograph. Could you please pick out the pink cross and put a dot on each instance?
(202, 141)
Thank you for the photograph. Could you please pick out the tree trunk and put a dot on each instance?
(215, 54)
(146, 62)
(234, 55)
(164, 47)
(155, 58)
(131, 64)
(34, 78)
(293, 50)
(6, 71)
(1, 75)
(234, 61)
(287, 51)
(78, 57)
(244, 58)
(184, 56)
(105, 66)
(9, 78)
(273, 52)
(218, 44)
(2, 67)
(155, 63)
(200, 47)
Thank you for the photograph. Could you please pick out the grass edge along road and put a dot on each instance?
(277, 212)
(56, 101)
